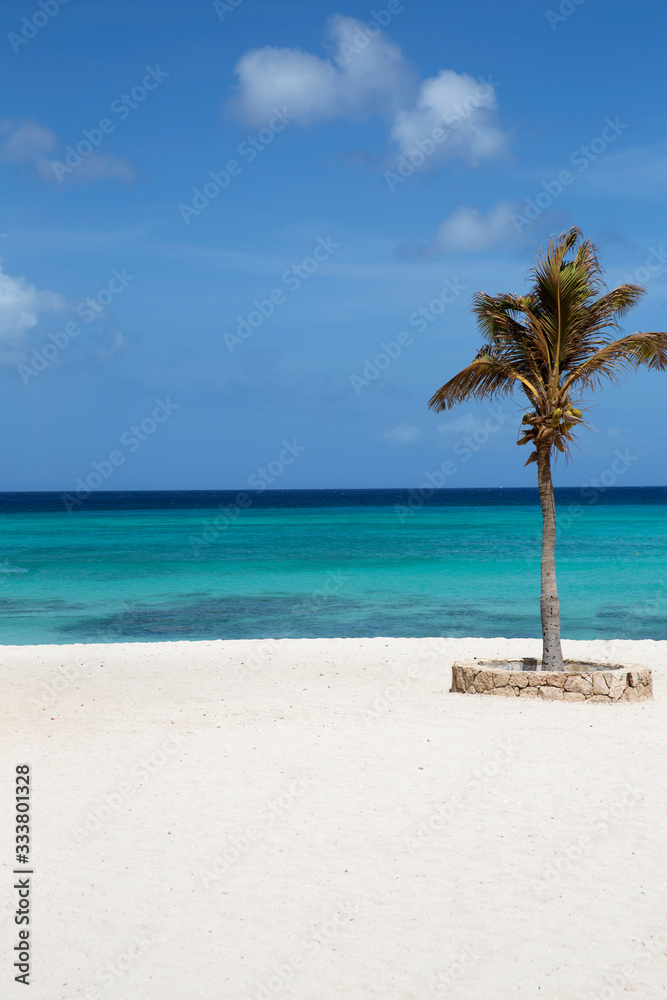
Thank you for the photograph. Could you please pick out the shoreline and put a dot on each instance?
(327, 638)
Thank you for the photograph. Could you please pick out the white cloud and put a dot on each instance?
(370, 75)
(20, 307)
(466, 230)
(357, 81)
(28, 144)
(403, 434)
(464, 109)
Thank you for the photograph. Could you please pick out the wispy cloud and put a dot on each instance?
(401, 435)
(29, 145)
(41, 240)
(467, 230)
(637, 172)
(467, 424)
(370, 75)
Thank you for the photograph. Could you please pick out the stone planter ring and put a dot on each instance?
(580, 681)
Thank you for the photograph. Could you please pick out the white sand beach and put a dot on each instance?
(323, 820)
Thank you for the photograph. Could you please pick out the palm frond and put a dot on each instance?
(562, 290)
(619, 357)
(507, 322)
(485, 378)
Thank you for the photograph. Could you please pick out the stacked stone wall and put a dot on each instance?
(608, 684)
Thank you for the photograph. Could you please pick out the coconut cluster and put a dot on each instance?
(553, 426)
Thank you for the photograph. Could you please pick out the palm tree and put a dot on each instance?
(553, 344)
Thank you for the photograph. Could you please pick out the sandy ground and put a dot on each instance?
(322, 820)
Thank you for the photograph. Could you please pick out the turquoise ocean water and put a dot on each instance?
(164, 566)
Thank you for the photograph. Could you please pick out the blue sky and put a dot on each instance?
(223, 326)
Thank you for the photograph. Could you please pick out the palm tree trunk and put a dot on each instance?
(552, 653)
